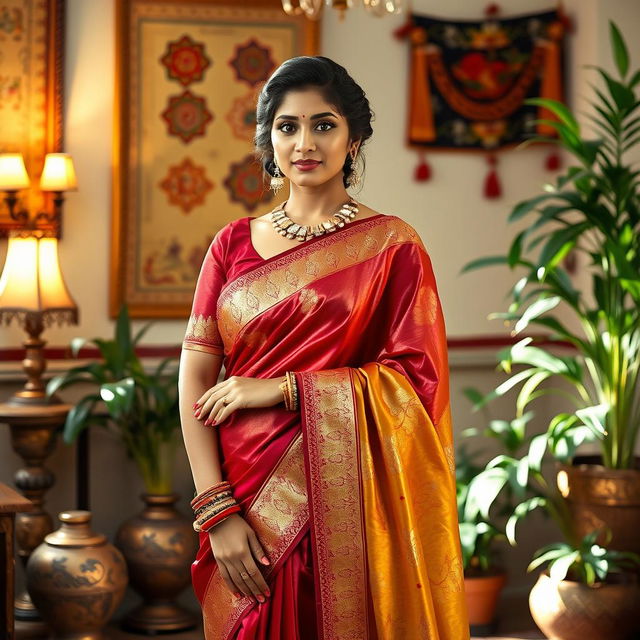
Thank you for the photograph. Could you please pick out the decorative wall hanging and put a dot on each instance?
(469, 80)
(188, 78)
(31, 55)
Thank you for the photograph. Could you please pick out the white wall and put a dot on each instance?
(454, 220)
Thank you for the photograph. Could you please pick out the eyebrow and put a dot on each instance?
(315, 117)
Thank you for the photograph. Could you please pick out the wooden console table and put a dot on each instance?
(10, 504)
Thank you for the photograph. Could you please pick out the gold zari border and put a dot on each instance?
(336, 507)
(277, 515)
(253, 293)
(196, 346)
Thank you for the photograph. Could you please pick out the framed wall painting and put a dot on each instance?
(31, 59)
(188, 77)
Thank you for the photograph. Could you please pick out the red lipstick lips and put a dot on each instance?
(306, 165)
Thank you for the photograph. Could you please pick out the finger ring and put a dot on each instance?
(224, 401)
(244, 575)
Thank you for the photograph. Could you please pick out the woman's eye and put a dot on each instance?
(287, 127)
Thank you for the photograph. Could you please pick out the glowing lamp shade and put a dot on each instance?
(58, 173)
(13, 173)
(31, 284)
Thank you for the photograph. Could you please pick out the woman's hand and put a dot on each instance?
(236, 549)
(238, 393)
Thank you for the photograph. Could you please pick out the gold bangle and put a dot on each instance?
(283, 386)
(293, 390)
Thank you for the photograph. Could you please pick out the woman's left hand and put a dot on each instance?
(238, 393)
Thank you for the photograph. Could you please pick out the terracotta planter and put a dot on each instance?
(568, 610)
(76, 579)
(597, 496)
(159, 546)
(482, 593)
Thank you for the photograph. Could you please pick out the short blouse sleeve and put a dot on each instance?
(202, 331)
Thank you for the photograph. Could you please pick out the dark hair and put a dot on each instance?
(337, 87)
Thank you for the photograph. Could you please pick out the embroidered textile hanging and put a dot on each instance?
(469, 81)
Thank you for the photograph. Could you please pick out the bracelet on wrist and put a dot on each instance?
(213, 505)
(289, 390)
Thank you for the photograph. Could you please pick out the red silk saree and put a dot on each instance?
(352, 496)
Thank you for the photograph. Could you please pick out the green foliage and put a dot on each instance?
(477, 534)
(141, 407)
(593, 209)
(513, 480)
(586, 562)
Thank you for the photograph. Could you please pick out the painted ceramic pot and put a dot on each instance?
(568, 610)
(159, 545)
(76, 578)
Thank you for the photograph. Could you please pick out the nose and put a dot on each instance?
(304, 140)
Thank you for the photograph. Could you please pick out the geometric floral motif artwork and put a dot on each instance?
(187, 116)
(252, 62)
(246, 184)
(185, 74)
(242, 116)
(173, 263)
(186, 185)
(185, 60)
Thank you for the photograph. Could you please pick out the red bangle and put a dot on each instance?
(217, 488)
(209, 524)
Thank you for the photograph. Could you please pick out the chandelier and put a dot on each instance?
(313, 8)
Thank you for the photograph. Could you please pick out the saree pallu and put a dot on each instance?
(353, 497)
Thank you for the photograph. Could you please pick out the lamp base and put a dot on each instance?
(27, 397)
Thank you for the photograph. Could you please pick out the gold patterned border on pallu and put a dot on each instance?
(248, 296)
(335, 503)
(277, 515)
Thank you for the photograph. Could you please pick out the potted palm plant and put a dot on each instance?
(586, 592)
(141, 408)
(593, 211)
(590, 592)
(484, 578)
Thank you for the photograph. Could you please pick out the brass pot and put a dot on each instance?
(568, 610)
(482, 593)
(159, 546)
(597, 496)
(76, 578)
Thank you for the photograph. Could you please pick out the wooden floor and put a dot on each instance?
(115, 633)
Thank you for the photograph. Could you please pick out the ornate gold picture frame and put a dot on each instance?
(187, 79)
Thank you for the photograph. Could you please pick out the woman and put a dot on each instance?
(328, 444)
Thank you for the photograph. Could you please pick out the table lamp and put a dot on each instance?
(32, 289)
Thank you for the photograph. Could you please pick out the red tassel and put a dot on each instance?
(492, 187)
(492, 9)
(552, 163)
(564, 18)
(403, 31)
(422, 172)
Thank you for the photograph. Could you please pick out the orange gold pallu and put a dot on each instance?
(369, 467)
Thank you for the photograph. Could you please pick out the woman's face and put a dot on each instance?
(306, 128)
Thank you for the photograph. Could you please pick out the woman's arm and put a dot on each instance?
(199, 371)
(234, 544)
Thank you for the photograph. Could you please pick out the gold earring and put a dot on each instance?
(277, 181)
(354, 178)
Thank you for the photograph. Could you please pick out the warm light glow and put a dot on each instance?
(58, 173)
(13, 173)
(31, 279)
(313, 8)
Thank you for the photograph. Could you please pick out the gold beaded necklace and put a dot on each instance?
(285, 226)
